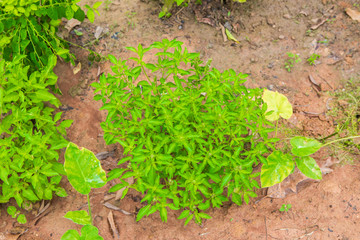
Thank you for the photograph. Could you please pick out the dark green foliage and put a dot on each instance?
(191, 135)
(29, 28)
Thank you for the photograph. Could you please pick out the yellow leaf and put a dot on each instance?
(230, 36)
(77, 68)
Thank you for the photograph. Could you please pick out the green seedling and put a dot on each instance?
(92, 10)
(285, 208)
(107, 4)
(292, 59)
(14, 213)
(279, 164)
(311, 60)
(84, 172)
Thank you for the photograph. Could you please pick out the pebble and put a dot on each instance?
(270, 87)
(228, 26)
(281, 37)
(180, 27)
(270, 65)
(287, 16)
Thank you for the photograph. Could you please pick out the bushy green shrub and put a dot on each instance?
(30, 135)
(191, 135)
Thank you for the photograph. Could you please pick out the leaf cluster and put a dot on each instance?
(29, 28)
(191, 134)
(30, 133)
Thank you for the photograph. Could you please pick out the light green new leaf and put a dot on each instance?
(308, 166)
(80, 217)
(303, 146)
(71, 235)
(90, 232)
(230, 36)
(278, 103)
(83, 169)
(279, 166)
(91, 15)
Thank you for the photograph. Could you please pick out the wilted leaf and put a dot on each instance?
(278, 103)
(355, 15)
(230, 36)
(279, 166)
(302, 146)
(308, 166)
(77, 68)
(83, 169)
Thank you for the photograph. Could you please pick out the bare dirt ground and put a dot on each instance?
(266, 31)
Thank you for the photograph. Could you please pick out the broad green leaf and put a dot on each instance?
(83, 169)
(184, 214)
(62, 51)
(96, 5)
(80, 217)
(11, 210)
(71, 235)
(204, 215)
(278, 167)
(90, 232)
(308, 166)
(21, 219)
(303, 146)
(278, 103)
(91, 16)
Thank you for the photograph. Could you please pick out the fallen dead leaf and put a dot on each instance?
(72, 23)
(77, 68)
(115, 232)
(355, 15)
(113, 207)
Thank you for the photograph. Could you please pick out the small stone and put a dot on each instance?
(228, 26)
(210, 46)
(270, 65)
(287, 16)
(253, 60)
(281, 37)
(180, 27)
(293, 38)
(99, 30)
(270, 87)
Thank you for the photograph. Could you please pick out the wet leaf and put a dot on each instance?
(308, 166)
(303, 146)
(279, 166)
(278, 103)
(83, 169)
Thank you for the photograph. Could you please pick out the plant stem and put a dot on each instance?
(341, 139)
(88, 199)
(277, 121)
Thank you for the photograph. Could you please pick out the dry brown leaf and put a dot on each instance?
(72, 23)
(77, 68)
(115, 232)
(113, 207)
(355, 15)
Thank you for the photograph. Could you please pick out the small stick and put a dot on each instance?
(223, 32)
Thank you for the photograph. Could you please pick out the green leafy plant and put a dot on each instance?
(311, 60)
(292, 59)
(30, 133)
(285, 208)
(92, 10)
(279, 164)
(191, 135)
(14, 213)
(84, 172)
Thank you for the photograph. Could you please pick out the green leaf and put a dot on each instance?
(230, 36)
(83, 169)
(303, 146)
(142, 212)
(62, 51)
(308, 166)
(79, 217)
(184, 214)
(90, 232)
(278, 167)
(226, 179)
(11, 210)
(278, 103)
(71, 235)
(91, 16)
(204, 215)
(96, 5)
(21, 219)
